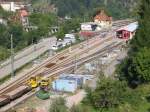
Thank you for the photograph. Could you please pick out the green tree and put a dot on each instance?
(108, 93)
(4, 53)
(136, 68)
(142, 37)
(58, 105)
(79, 108)
(43, 22)
(60, 34)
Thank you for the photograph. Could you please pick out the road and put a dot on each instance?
(26, 55)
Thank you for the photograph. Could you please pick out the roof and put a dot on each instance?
(23, 13)
(102, 16)
(131, 27)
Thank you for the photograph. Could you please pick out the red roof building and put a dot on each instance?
(127, 32)
(103, 19)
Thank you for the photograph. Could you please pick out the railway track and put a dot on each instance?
(80, 61)
(55, 58)
(64, 61)
(52, 68)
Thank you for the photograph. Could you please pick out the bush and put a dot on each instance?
(58, 105)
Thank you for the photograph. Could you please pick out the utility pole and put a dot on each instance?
(75, 62)
(12, 57)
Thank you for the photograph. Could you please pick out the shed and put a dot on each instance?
(127, 32)
(81, 79)
(65, 85)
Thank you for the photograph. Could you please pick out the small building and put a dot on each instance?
(103, 19)
(70, 82)
(88, 26)
(127, 32)
(65, 85)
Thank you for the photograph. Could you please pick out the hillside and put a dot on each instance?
(116, 8)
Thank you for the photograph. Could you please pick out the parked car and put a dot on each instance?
(56, 47)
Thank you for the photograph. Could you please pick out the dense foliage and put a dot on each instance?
(43, 22)
(21, 38)
(111, 93)
(69, 26)
(136, 67)
(58, 105)
(88, 7)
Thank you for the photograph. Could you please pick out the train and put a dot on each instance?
(33, 83)
(12, 95)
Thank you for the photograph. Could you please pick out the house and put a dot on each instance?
(127, 32)
(23, 16)
(103, 19)
(11, 5)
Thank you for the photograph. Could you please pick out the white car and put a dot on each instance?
(56, 47)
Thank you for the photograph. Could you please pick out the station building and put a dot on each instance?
(127, 32)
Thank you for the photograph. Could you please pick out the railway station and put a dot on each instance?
(58, 73)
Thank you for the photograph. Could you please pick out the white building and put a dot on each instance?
(12, 6)
(90, 26)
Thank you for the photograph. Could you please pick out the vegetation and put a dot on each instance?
(69, 26)
(58, 105)
(112, 95)
(86, 8)
(21, 38)
(136, 68)
(43, 21)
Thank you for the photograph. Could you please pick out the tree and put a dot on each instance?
(75, 108)
(60, 34)
(109, 93)
(136, 68)
(81, 8)
(58, 105)
(4, 53)
(43, 22)
(142, 37)
(79, 108)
